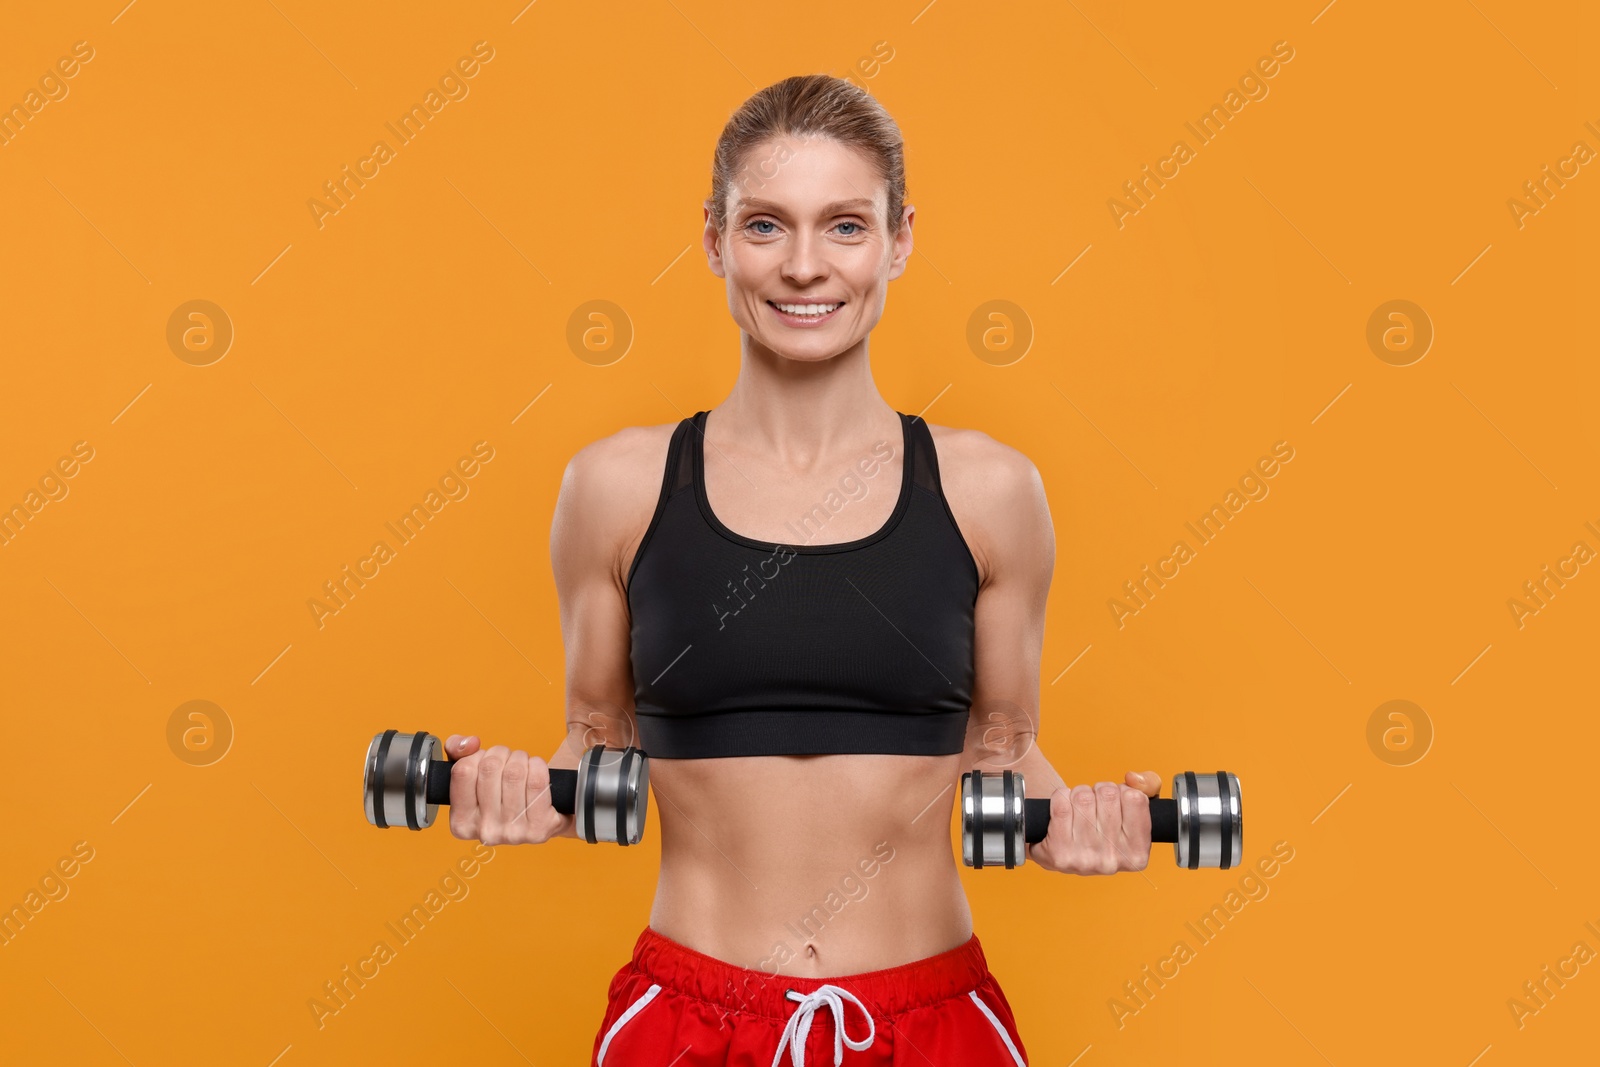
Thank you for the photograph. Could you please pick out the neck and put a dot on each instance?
(800, 411)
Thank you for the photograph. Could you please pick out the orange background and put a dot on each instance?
(369, 354)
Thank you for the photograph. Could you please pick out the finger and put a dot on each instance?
(464, 814)
(490, 767)
(1108, 820)
(1147, 782)
(514, 795)
(1058, 836)
(1085, 841)
(456, 746)
(1136, 827)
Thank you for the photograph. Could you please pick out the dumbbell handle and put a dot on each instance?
(1163, 819)
(563, 787)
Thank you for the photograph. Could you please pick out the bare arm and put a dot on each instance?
(608, 488)
(1013, 540)
(1093, 830)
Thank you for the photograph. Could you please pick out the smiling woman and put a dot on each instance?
(831, 719)
(836, 710)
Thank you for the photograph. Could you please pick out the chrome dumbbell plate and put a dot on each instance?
(1210, 820)
(992, 820)
(612, 795)
(394, 783)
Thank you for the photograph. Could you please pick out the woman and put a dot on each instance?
(807, 732)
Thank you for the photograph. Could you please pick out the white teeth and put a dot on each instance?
(806, 309)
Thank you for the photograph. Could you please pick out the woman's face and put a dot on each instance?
(806, 225)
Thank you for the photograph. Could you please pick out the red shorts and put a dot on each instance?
(671, 1006)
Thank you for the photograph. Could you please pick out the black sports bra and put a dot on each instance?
(749, 648)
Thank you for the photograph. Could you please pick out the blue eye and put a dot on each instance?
(857, 225)
(761, 222)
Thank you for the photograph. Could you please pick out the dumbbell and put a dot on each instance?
(403, 784)
(1204, 819)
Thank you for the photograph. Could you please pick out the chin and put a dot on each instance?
(801, 357)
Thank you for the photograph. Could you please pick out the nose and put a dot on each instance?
(806, 261)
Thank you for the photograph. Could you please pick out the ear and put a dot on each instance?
(902, 243)
(711, 240)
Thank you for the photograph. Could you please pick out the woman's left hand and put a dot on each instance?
(1099, 830)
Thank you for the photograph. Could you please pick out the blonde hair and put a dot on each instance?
(809, 105)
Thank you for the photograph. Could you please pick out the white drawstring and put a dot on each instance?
(794, 1034)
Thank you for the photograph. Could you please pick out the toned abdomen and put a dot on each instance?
(814, 866)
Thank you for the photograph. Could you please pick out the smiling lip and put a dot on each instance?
(805, 321)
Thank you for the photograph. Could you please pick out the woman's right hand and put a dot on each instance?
(501, 797)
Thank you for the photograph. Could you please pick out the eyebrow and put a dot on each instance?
(835, 208)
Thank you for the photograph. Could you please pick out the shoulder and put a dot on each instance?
(610, 487)
(622, 455)
(972, 456)
(997, 497)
